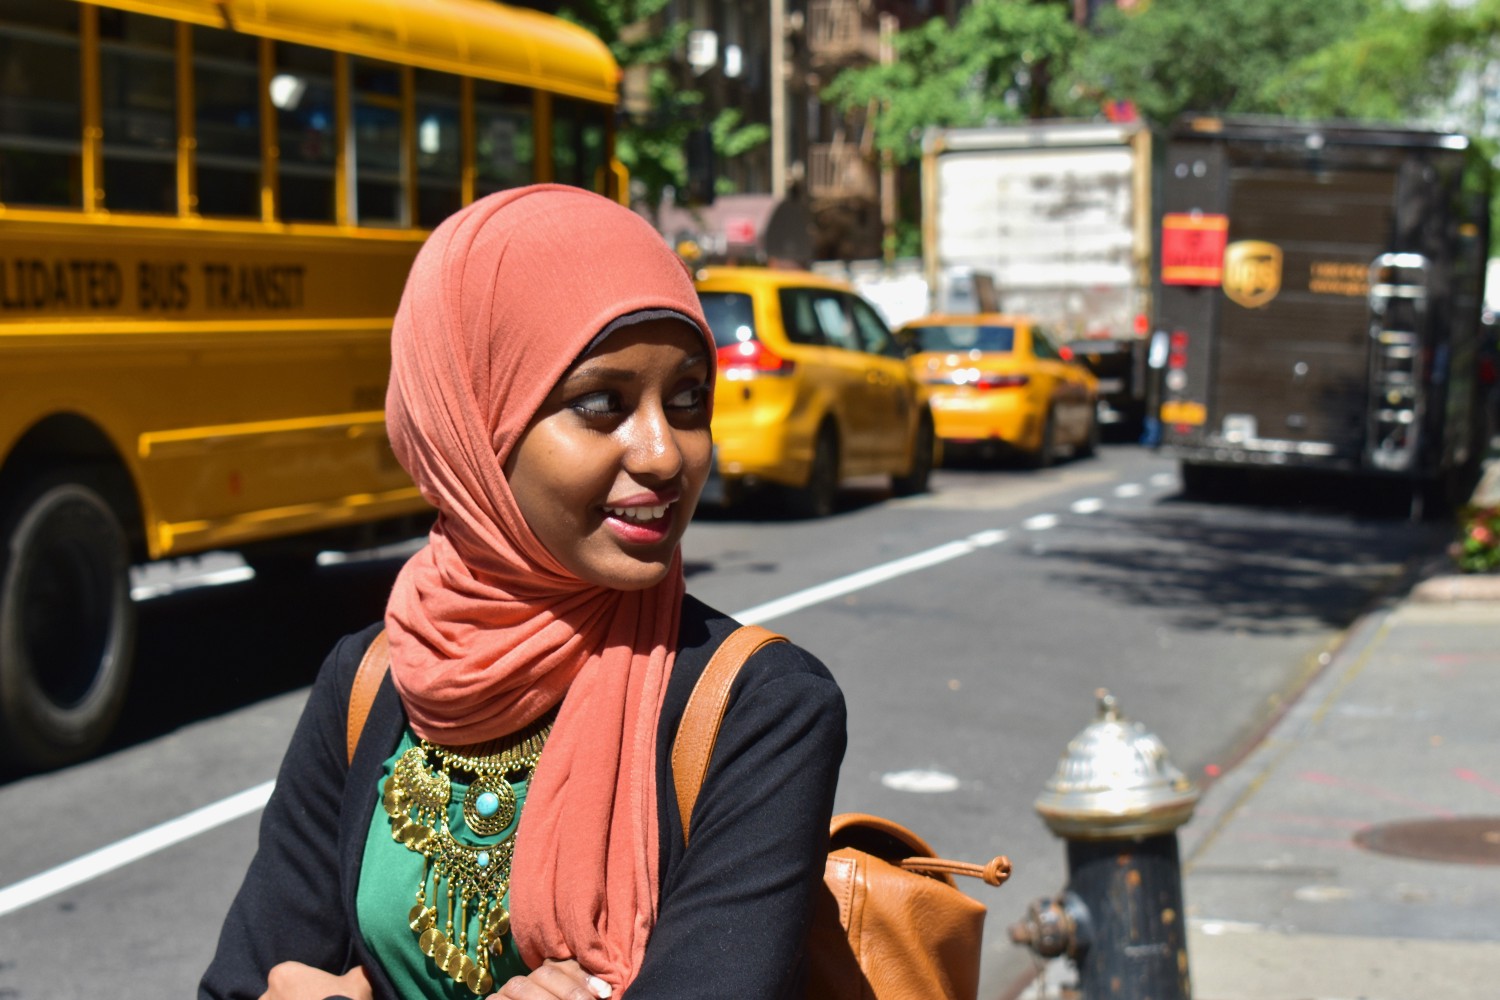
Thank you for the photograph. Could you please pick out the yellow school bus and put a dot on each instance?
(207, 212)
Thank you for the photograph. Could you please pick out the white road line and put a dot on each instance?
(121, 853)
(761, 613)
(1088, 505)
(1040, 522)
(1126, 490)
(1164, 479)
(133, 848)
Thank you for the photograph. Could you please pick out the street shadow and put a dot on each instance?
(1272, 564)
(211, 650)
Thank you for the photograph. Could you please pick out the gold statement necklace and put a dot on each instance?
(464, 879)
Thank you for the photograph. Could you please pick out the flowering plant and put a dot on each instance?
(1478, 547)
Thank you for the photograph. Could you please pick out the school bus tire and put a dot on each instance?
(67, 621)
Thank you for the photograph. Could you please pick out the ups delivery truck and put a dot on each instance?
(1319, 289)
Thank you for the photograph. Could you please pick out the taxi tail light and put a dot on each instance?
(751, 358)
(1001, 381)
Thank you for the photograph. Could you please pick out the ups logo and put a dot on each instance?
(1252, 272)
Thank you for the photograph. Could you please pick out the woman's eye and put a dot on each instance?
(690, 398)
(595, 404)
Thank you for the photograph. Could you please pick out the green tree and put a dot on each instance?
(652, 146)
(1403, 63)
(1365, 60)
(1207, 55)
(994, 65)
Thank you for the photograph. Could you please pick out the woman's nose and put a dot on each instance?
(652, 449)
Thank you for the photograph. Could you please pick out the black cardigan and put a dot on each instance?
(733, 907)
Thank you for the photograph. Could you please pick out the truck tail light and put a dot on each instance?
(1177, 350)
(750, 359)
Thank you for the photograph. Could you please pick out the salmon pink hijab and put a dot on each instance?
(487, 630)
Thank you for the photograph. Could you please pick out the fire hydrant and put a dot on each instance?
(1117, 802)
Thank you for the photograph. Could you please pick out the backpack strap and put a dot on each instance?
(372, 670)
(693, 746)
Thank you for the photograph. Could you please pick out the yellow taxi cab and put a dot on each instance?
(998, 379)
(812, 388)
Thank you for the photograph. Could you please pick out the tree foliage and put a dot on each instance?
(993, 66)
(1207, 55)
(1403, 64)
(1009, 60)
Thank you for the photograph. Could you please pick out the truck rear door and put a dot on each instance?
(1292, 372)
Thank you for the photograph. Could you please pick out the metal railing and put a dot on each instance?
(840, 170)
(843, 30)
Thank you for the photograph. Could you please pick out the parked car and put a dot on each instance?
(812, 388)
(1002, 380)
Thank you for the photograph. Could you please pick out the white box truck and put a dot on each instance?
(1059, 215)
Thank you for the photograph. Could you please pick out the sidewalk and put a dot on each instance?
(1300, 882)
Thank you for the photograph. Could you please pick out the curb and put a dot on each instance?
(1457, 587)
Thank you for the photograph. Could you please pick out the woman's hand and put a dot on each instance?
(555, 981)
(295, 981)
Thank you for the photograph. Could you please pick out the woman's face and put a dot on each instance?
(609, 470)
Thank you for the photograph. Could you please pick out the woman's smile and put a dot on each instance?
(642, 521)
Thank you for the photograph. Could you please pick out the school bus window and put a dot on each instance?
(41, 126)
(578, 136)
(306, 132)
(439, 154)
(137, 82)
(504, 144)
(226, 94)
(379, 179)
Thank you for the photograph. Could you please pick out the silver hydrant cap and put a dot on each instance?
(1115, 781)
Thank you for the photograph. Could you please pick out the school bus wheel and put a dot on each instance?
(67, 623)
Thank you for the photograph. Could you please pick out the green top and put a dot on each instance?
(388, 884)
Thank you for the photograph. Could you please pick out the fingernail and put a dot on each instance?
(599, 987)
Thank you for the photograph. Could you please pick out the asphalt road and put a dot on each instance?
(969, 629)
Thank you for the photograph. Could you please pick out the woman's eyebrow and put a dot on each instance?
(601, 369)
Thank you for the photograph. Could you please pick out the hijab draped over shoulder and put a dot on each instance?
(488, 632)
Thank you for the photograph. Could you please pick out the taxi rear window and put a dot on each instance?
(730, 316)
(964, 337)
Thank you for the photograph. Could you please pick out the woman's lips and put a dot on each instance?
(642, 525)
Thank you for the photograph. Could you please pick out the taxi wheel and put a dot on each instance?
(1046, 451)
(1090, 446)
(923, 451)
(67, 622)
(817, 498)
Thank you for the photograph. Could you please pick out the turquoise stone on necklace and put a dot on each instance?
(483, 859)
(487, 804)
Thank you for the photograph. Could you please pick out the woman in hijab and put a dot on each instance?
(508, 824)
